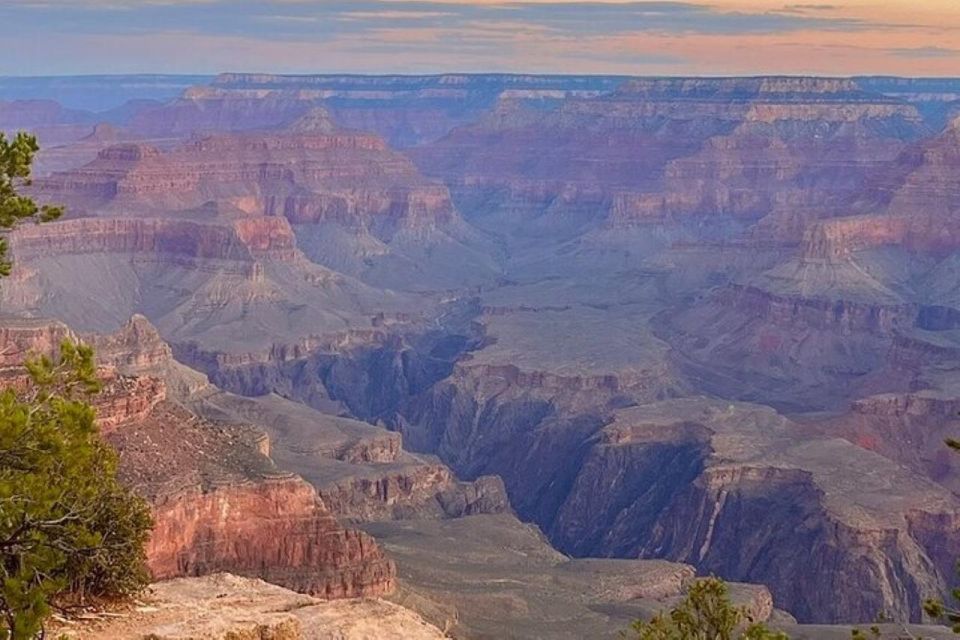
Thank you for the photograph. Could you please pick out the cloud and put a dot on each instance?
(925, 52)
(804, 8)
(255, 17)
(652, 36)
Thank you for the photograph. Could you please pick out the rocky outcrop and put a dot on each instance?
(218, 501)
(908, 428)
(361, 471)
(228, 607)
(244, 240)
(24, 338)
(308, 175)
(414, 491)
(708, 490)
(274, 529)
(136, 347)
(220, 505)
(125, 399)
(839, 239)
(843, 316)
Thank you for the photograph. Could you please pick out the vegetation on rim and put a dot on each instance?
(69, 530)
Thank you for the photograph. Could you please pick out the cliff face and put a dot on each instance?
(136, 347)
(24, 338)
(416, 491)
(306, 176)
(710, 491)
(218, 501)
(361, 472)
(800, 144)
(841, 238)
(405, 110)
(906, 427)
(220, 505)
(744, 148)
(203, 109)
(803, 347)
(912, 202)
(276, 530)
(237, 240)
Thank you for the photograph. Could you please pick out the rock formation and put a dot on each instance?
(742, 148)
(711, 321)
(226, 607)
(219, 503)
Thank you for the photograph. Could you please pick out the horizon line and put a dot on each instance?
(513, 74)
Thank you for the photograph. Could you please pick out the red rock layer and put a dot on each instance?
(125, 399)
(838, 239)
(23, 338)
(218, 502)
(233, 239)
(273, 529)
(308, 175)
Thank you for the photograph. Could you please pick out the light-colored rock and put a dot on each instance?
(227, 607)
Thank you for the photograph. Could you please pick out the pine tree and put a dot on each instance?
(16, 160)
(68, 529)
(705, 614)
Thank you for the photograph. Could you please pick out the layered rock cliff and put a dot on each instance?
(908, 428)
(307, 176)
(218, 501)
(354, 204)
(237, 239)
(791, 350)
(712, 491)
(406, 110)
(745, 148)
(220, 505)
(779, 240)
(717, 477)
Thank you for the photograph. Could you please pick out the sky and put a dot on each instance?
(647, 37)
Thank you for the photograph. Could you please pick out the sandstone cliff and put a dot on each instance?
(219, 503)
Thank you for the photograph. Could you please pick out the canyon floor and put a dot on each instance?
(521, 354)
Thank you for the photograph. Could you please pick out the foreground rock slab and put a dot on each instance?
(224, 606)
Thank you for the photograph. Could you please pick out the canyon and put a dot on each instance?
(520, 354)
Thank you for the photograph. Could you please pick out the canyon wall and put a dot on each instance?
(544, 293)
(744, 148)
(218, 501)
